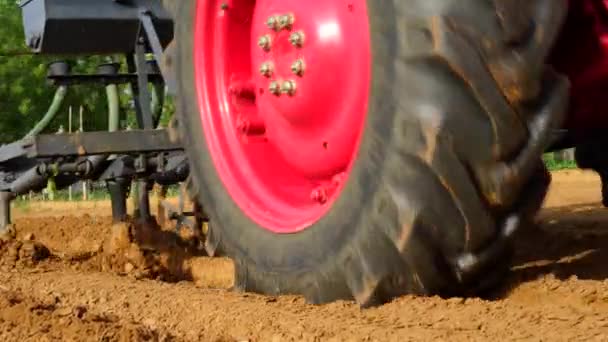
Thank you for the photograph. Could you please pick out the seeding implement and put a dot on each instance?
(120, 158)
(339, 149)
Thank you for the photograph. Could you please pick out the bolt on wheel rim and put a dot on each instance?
(283, 90)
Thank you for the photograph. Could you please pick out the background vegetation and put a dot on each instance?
(25, 94)
(557, 164)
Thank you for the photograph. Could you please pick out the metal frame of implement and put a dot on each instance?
(146, 155)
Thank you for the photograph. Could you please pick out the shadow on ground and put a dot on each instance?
(567, 241)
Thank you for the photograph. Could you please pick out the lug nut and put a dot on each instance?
(297, 39)
(286, 21)
(266, 69)
(319, 195)
(298, 67)
(274, 88)
(265, 42)
(289, 87)
(273, 22)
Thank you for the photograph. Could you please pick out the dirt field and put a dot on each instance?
(69, 275)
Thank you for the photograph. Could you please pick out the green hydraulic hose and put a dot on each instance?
(113, 108)
(60, 94)
(51, 113)
(157, 103)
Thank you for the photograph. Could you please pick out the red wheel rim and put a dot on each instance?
(282, 88)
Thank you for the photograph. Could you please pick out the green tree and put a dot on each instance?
(25, 94)
(22, 91)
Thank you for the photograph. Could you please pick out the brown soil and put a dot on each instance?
(76, 277)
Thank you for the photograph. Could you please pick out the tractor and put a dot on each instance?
(339, 149)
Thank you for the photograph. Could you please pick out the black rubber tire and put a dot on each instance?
(461, 108)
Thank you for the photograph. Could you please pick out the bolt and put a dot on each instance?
(298, 67)
(289, 87)
(241, 88)
(286, 21)
(265, 42)
(274, 88)
(242, 125)
(338, 179)
(250, 127)
(266, 69)
(273, 22)
(224, 6)
(297, 39)
(319, 195)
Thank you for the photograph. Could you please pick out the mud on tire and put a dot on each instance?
(460, 111)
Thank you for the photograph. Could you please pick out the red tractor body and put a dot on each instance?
(582, 54)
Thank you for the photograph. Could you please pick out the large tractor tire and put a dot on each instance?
(367, 149)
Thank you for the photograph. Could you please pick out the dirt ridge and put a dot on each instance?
(79, 278)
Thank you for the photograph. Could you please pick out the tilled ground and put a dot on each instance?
(70, 275)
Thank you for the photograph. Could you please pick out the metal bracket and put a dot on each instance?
(150, 31)
(94, 143)
(155, 44)
(118, 189)
(142, 98)
(68, 80)
(181, 217)
(5, 210)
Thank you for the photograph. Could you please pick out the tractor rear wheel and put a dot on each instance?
(367, 149)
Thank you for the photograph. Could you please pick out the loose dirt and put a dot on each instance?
(74, 276)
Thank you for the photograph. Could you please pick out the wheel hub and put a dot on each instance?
(283, 88)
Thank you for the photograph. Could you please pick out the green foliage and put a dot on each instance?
(556, 165)
(18, 94)
(25, 95)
